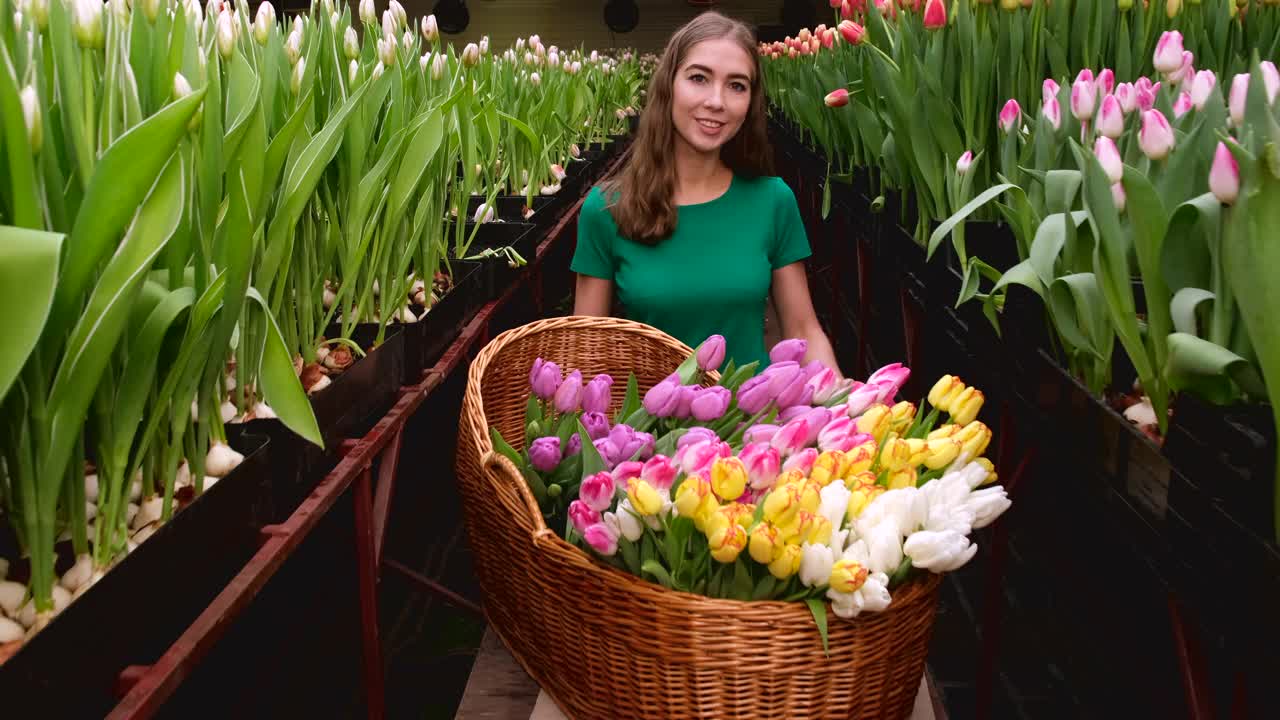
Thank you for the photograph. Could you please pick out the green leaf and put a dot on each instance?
(764, 589)
(819, 610)
(280, 385)
(1183, 309)
(1204, 368)
(28, 273)
(630, 555)
(654, 568)
(742, 582)
(960, 215)
(1021, 274)
(630, 402)
(592, 463)
(504, 448)
(21, 176)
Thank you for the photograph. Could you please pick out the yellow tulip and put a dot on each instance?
(940, 389)
(990, 468)
(964, 409)
(690, 494)
(941, 453)
(789, 477)
(644, 498)
(826, 467)
(787, 563)
(860, 460)
(765, 543)
(875, 422)
(974, 439)
(862, 479)
(895, 455)
(728, 478)
(901, 416)
(738, 513)
(906, 477)
(782, 504)
(726, 539)
(819, 531)
(706, 508)
(810, 496)
(847, 576)
(944, 432)
(919, 448)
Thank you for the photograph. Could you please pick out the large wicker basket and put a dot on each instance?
(605, 644)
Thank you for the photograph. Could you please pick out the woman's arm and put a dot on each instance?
(795, 313)
(592, 296)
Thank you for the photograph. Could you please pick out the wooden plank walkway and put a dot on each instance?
(499, 689)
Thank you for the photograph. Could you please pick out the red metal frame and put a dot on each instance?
(144, 689)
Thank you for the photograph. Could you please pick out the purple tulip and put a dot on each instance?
(575, 445)
(813, 368)
(533, 374)
(802, 461)
(596, 395)
(791, 437)
(755, 394)
(582, 515)
(763, 464)
(568, 397)
(660, 471)
(792, 350)
(602, 539)
(647, 444)
(696, 435)
(663, 398)
(711, 353)
(797, 393)
(710, 403)
(760, 433)
(597, 425)
(597, 491)
(684, 405)
(606, 450)
(547, 381)
(817, 419)
(782, 374)
(792, 413)
(544, 453)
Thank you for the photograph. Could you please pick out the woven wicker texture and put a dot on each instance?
(605, 644)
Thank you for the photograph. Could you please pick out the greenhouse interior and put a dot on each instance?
(654, 359)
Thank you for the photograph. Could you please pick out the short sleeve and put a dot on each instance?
(594, 254)
(790, 242)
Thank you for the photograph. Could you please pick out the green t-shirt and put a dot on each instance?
(712, 275)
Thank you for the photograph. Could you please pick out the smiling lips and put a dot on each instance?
(710, 127)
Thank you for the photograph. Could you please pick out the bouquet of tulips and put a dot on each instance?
(790, 484)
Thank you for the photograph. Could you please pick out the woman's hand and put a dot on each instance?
(592, 296)
(795, 313)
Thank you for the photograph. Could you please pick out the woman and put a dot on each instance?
(693, 231)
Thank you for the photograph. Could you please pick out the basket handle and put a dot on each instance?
(508, 475)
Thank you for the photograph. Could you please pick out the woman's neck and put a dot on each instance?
(699, 176)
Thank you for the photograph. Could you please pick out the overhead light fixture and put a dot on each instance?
(621, 16)
(452, 16)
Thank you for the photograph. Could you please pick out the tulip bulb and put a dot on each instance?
(221, 460)
(148, 512)
(10, 631)
(11, 595)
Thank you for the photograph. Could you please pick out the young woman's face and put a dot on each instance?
(711, 95)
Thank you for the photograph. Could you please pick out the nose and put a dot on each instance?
(714, 99)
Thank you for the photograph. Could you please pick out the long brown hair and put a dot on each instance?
(641, 192)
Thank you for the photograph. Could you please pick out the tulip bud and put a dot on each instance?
(430, 30)
(1172, 8)
(1201, 87)
(31, 116)
(150, 9)
(1270, 80)
(1010, 5)
(353, 72)
(1084, 97)
(387, 50)
(1119, 197)
(295, 83)
(964, 163)
(788, 562)
(1182, 105)
(1052, 110)
(852, 32)
(1009, 115)
(293, 47)
(1105, 82)
(350, 43)
(1127, 97)
(471, 55)
(1236, 100)
(847, 576)
(1156, 136)
(1224, 176)
(582, 516)
(1168, 54)
(935, 15)
(544, 454)
(484, 45)
(87, 23)
(297, 24)
(226, 34)
(438, 66)
(398, 13)
(790, 350)
(602, 538)
(1049, 89)
(1111, 118)
(1109, 157)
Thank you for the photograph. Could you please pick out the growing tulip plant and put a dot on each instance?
(789, 484)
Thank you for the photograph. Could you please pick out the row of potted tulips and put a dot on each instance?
(208, 204)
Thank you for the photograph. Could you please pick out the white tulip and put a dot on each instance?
(884, 545)
(293, 47)
(629, 522)
(939, 551)
(263, 22)
(31, 116)
(368, 13)
(484, 45)
(295, 83)
(397, 12)
(430, 30)
(350, 43)
(377, 71)
(225, 31)
(835, 503)
(471, 55)
(388, 23)
(387, 50)
(87, 23)
(438, 66)
(815, 564)
(484, 213)
(987, 505)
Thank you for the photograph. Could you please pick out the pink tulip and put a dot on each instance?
(935, 15)
(659, 471)
(582, 515)
(1236, 101)
(1109, 158)
(625, 471)
(763, 464)
(698, 458)
(1270, 80)
(791, 413)
(1224, 176)
(828, 38)
(891, 377)
(836, 430)
(755, 394)
(964, 163)
(797, 393)
(1127, 96)
(602, 538)
(1182, 105)
(791, 437)
(1084, 97)
(1049, 89)
(802, 461)
(1118, 196)
(825, 385)
(1009, 115)
(816, 418)
(862, 397)
(597, 491)
(1106, 81)
(1052, 110)
(1111, 118)
(852, 32)
(761, 433)
(837, 98)
(1185, 71)
(835, 4)
(1156, 136)
(1201, 87)
(696, 435)
(1168, 55)
(1146, 95)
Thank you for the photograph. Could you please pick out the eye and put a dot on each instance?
(698, 78)
(739, 86)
